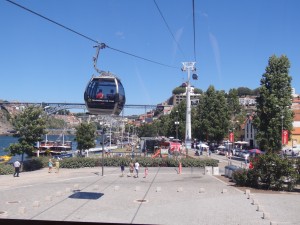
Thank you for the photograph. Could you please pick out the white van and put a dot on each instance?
(295, 149)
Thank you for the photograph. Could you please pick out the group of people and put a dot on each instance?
(51, 164)
(133, 168)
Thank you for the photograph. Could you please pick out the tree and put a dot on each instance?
(212, 117)
(179, 90)
(29, 126)
(243, 91)
(85, 136)
(273, 113)
(197, 91)
(233, 102)
(147, 130)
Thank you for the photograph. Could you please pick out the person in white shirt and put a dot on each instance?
(136, 167)
(17, 165)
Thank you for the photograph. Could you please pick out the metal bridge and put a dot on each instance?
(52, 108)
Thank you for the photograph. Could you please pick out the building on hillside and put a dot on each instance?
(177, 98)
(250, 132)
(296, 103)
(247, 100)
(295, 134)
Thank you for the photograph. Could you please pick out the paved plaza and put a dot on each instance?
(163, 197)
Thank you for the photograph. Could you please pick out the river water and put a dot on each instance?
(5, 141)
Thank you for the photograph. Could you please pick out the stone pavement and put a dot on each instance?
(164, 197)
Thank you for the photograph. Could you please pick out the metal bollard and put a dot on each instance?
(201, 190)
(266, 215)
(259, 208)
(254, 201)
(116, 188)
(137, 188)
(179, 189)
(36, 204)
(48, 198)
(247, 191)
(158, 189)
(22, 210)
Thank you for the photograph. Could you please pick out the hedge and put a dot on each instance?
(270, 171)
(81, 162)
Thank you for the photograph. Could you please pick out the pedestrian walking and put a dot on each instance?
(131, 168)
(17, 165)
(122, 169)
(136, 167)
(146, 172)
(57, 165)
(50, 165)
(246, 160)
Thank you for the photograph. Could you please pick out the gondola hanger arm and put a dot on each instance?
(95, 58)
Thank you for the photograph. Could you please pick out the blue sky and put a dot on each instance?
(42, 62)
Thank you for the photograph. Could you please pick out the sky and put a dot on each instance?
(43, 62)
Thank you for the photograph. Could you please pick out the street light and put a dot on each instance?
(282, 116)
(177, 124)
(282, 110)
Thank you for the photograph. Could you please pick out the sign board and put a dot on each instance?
(285, 137)
(164, 151)
(231, 137)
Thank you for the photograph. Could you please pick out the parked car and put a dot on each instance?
(222, 151)
(245, 153)
(241, 153)
(237, 152)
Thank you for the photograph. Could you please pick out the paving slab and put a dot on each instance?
(164, 197)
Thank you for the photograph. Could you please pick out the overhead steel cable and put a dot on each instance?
(194, 29)
(52, 21)
(160, 12)
(88, 38)
(149, 60)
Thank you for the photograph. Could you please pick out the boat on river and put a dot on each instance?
(4, 158)
(57, 147)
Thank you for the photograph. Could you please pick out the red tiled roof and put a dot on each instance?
(296, 131)
(296, 115)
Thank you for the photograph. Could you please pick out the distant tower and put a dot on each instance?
(188, 66)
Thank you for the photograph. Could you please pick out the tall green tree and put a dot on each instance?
(30, 127)
(273, 104)
(212, 117)
(147, 130)
(85, 136)
(233, 102)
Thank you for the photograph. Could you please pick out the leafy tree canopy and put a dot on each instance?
(273, 104)
(30, 127)
(85, 136)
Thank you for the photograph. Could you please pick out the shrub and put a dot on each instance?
(6, 169)
(240, 177)
(275, 172)
(270, 171)
(33, 164)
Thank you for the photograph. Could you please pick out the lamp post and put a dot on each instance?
(282, 110)
(282, 116)
(177, 124)
(103, 133)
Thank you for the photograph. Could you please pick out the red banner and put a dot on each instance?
(285, 137)
(231, 137)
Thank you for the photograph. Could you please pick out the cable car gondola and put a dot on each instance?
(104, 94)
